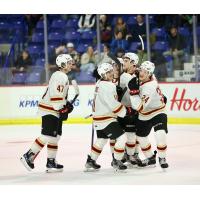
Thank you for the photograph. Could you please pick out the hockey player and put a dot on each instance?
(106, 109)
(148, 100)
(129, 64)
(53, 108)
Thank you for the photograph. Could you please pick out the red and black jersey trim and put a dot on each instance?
(147, 148)
(96, 150)
(56, 99)
(39, 143)
(101, 118)
(130, 145)
(119, 150)
(118, 109)
(50, 146)
(162, 148)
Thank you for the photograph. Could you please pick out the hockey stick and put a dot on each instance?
(113, 57)
(92, 137)
(119, 66)
(142, 49)
(76, 88)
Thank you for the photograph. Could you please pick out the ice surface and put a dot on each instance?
(183, 158)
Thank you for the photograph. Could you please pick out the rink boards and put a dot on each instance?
(18, 105)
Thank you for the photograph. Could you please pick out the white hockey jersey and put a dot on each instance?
(55, 96)
(106, 108)
(124, 80)
(150, 101)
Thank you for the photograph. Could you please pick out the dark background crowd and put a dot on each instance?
(22, 58)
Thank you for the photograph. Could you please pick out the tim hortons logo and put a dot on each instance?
(180, 102)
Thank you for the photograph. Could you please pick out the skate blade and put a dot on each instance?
(23, 161)
(90, 170)
(120, 170)
(146, 167)
(130, 166)
(53, 170)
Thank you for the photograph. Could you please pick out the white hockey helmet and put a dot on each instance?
(62, 60)
(133, 57)
(104, 68)
(148, 66)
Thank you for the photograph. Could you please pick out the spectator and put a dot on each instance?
(138, 29)
(104, 55)
(76, 60)
(120, 53)
(31, 20)
(106, 30)
(86, 22)
(119, 42)
(121, 26)
(88, 60)
(58, 50)
(22, 63)
(160, 63)
(177, 45)
(52, 58)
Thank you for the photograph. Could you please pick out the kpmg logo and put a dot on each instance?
(28, 101)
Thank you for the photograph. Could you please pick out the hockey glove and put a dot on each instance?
(119, 91)
(69, 106)
(129, 111)
(133, 86)
(165, 99)
(65, 111)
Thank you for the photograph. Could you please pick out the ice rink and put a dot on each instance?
(183, 158)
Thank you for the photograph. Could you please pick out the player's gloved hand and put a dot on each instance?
(165, 99)
(69, 106)
(129, 111)
(65, 111)
(133, 86)
(119, 91)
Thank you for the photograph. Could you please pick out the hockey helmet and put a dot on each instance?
(62, 60)
(148, 66)
(104, 68)
(133, 57)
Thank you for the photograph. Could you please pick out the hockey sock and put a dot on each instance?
(38, 144)
(137, 146)
(120, 147)
(130, 144)
(97, 148)
(161, 141)
(112, 144)
(52, 147)
(145, 146)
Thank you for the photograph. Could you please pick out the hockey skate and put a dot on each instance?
(150, 162)
(52, 166)
(91, 165)
(137, 158)
(113, 159)
(163, 164)
(118, 165)
(125, 157)
(27, 160)
(131, 160)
